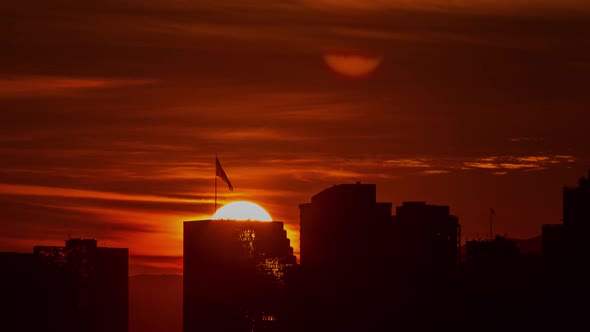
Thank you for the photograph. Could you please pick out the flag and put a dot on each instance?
(221, 173)
(492, 211)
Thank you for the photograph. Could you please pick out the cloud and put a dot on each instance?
(504, 164)
(410, 163)
(501, 6)
(435, 171)
(37, 86)
(418, 36)
(154, 264)
(485, 165)
(536, 159)
(525, 139)
(28, 190)
(249, 134)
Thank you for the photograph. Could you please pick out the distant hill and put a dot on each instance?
(155, 303)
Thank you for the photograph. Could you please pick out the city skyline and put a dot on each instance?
(293, 235)
(113, 113)
(362, 267)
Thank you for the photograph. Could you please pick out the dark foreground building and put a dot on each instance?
(425, 244)
(501, 288)
(566, 253)
(19, 292)
(363, 269)
(234, 275)
(80, 287)
(343, 232)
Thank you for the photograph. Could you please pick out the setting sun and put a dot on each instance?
(352, 65)
(242, 210)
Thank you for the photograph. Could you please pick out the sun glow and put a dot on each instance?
(352, 65)
(242, 210)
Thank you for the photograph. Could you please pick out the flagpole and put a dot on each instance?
(215, 183)
(490, 224)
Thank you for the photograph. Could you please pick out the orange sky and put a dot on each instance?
(112, 113)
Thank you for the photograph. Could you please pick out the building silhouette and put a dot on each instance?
(19, 292)
(491, 254)
(234, 275)
(78, 287)
(363, 269)
(576, 204)
(335, 220)
(500, 287)
(566, 252)
(342, 257)
(433, 238)
(425, 243)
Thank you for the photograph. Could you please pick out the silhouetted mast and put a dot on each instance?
(215, 210)
(492, 213)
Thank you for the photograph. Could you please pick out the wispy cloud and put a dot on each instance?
(504, 164)
(436, 171)
(515, 6)
(153, 264)
(525, 139)
(28, 190)
(32, 86)
(500, 165)
(479, 164)
(500, 173)
(409, 163)
(250, 134)
(425, 37)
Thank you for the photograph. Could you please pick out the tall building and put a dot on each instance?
(425, 255)
(337, 221)
(430, 238)
(19, 300)
(80, 287)
(361, 267)
(488, 278)
(566, 246)
(490, 254)
(234, 275)
(343, 232)
(576, 204)
(566, 251)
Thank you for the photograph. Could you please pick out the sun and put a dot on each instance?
(353, 65)
(242, 210)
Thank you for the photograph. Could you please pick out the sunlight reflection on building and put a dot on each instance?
(234, 275)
